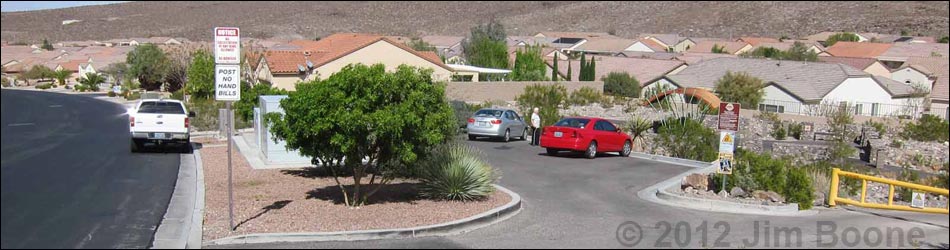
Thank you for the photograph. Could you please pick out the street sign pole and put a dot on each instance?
(230, 175)
(227, 81)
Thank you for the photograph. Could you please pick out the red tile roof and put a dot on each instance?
(858, 49)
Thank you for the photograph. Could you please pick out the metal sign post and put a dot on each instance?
(728, 139)
(227, 82)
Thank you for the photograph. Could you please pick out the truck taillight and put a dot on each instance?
(131, 121)
(187, 122)
(496, 122)
(470, 120)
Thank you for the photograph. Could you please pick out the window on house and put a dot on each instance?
(876, 109)
(858, 109)
(772, 108)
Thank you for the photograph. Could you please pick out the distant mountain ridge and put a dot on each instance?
(308, 20)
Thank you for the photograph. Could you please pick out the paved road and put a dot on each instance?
(571, 202)
(68, 179)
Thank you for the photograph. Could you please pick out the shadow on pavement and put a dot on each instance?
(276, 206)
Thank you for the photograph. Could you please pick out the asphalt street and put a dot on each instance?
(571, 202)
(69, 180)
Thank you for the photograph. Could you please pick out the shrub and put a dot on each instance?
(778, 131)
(741, 88)
(927, 128)
(839, 119)
(943, 181)
(111, 94)
(688, 139)
(908, 175)
(753, 171)
(584, 96)
(548, 98)
(44, 86)
(456, 172)
(621, 84)
(5, 82)
(178, 95)
(134, 96)
(878, 127)
(841, 37)
(795, 130)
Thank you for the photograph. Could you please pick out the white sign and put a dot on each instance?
(227, 45)
(919, 200)
(227, 82)
(727, 142)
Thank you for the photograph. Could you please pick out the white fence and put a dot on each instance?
(860, 109)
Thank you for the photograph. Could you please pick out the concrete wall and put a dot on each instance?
(503, 91)
(778, 97)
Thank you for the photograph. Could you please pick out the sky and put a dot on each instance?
(10, 6)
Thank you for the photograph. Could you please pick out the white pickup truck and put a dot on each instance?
(160, 121)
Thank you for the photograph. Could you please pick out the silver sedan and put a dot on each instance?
(497, 123)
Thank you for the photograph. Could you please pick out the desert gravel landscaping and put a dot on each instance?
(306, 200)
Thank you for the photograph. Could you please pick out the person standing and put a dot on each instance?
(535, 124)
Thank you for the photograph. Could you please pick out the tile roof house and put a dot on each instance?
(694, 58)
(648, 45)
(858, 49)
(329, 55)
(813, 47)
(608, 47)
(449, 47)
(898, 53)
(581, 35)
(644, 70)
(734, 48)
(938, 69)
(869, 65)
(755, 41)
(798, 87)
(678, 43)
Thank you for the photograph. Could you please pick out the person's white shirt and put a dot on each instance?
(535, 120)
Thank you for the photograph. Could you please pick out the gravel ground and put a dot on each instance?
(300, 200)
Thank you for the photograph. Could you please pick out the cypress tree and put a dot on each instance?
(569, 70)
(554, 70)
(583, 72)
(592, 74)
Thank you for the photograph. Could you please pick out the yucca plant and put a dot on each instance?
(455, 172)
(638, 127)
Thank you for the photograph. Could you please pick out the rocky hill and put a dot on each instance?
(279, 19)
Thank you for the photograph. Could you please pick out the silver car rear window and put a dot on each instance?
(167, 108)
(489, 112)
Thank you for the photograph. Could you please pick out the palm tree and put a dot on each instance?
(92, 81)
(61, 76)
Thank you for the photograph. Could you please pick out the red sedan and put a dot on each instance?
(585, 134)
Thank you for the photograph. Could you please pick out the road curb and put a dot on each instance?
(181, 226)
(469, 224)
(658, 194)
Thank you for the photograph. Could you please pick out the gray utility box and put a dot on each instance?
(274, 152)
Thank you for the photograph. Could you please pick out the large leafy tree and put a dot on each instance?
(148, 64)
(362, 113)
(38, 72)
(250, 98)
(547, 98)
(841, 37)
(621, 84)
(201, 75)
(798, 52)
(741, 88)
(528, 65)
(486, 47)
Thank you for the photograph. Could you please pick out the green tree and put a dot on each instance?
(569, 70)
(592, 69)
(38, 72)
(61, 76)
(148, 64)
(841, 37)
(945, 39)
(250, 96)
(554, 70)
(741, 88)
(486, 47)
(928, 128)
(529, 66)
(621, 84)
(201, 75)
(117, 71)
(365, 113)
(799, 52)
(547, 98)
(92, 81)
(583, 69)
(418, 44)
(839, 119)
(46, 45)
(719, 49)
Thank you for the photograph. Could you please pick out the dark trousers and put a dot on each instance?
(535, 136)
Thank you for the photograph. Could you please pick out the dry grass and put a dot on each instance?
(311, 19)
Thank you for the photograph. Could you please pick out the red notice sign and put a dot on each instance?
(227, 45)
(729, 116)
